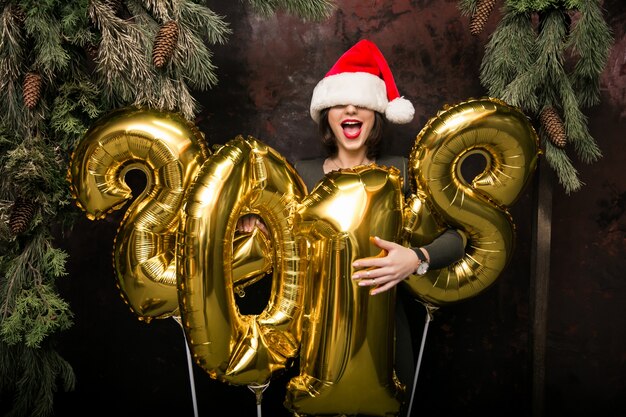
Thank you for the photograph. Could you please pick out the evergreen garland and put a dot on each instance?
(86, 58)
(527, 63)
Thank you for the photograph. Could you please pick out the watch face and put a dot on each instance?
(422, 268)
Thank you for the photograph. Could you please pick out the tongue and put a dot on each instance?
(352, 132)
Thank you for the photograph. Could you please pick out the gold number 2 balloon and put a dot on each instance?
(506, 140)
(170, 151)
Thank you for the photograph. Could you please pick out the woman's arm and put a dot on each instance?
(385, 272)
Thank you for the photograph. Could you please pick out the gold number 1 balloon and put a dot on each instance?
(506, 140)
(346, 357)
(169, 150)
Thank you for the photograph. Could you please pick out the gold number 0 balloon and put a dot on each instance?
(507, 141)
(170, 151)
(243, 176)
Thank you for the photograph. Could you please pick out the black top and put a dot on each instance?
(446, 249)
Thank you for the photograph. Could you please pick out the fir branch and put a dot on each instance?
(592, 40)
(559, 161)
(75, 107)
(38, 313)
(33, 376)
(33, 170)
(75, 22)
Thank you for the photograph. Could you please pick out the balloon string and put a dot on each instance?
(429, 317)
(189, 369)
(258, 392)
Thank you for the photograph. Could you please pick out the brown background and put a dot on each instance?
(477, 359)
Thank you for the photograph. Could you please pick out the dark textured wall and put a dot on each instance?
(477, 359)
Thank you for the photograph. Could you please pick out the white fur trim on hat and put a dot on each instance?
(400, 111)
(357, 88)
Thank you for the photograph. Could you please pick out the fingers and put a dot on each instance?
(380, 282)
(249, 222)
(382, 243)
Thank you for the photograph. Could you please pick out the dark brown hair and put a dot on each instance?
(372, 142)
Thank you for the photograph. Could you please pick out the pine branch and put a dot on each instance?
(161, 10)
(507, 68)
(203, 22)
(12, 57)
(467, 7)
(576, 123)
(559, 161)
(591, 40)
(121, 61)
(314, 10)
(43, 27)
(524, 6)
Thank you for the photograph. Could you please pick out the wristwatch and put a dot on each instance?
(422, 268)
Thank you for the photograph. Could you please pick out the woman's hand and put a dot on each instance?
(385, 272)
(248, 222)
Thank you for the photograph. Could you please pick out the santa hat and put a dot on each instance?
(362, 77)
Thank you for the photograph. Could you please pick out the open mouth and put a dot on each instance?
(351, 128)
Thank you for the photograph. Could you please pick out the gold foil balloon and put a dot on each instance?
(506, 140)
(252, 259)
(346, 357)
(243, 176)
(169, 150)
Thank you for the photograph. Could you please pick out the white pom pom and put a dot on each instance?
(400, 111)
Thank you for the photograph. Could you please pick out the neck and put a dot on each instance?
(349, 160)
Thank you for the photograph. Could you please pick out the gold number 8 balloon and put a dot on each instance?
(506, 140)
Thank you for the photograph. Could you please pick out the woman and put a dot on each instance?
(351, 106)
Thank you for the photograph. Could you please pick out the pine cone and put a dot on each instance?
(32, 89)
(479, 18)
(22, 214)
(164, 44)
(553, 125)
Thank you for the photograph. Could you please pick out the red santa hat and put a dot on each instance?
(363, 78)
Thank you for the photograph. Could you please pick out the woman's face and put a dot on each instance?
(351, 126)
